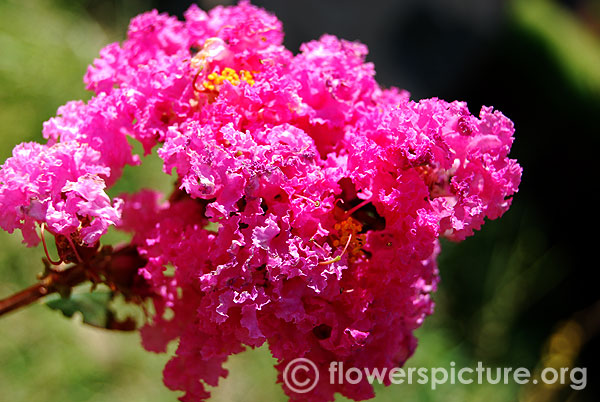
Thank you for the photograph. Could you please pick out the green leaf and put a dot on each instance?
(94, 307)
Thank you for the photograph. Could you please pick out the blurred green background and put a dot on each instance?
(519, 293)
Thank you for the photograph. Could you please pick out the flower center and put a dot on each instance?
(346, 228)
(228, 74)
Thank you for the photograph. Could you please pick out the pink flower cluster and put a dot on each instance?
(309, 201)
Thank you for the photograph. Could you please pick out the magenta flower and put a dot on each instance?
(309, 201)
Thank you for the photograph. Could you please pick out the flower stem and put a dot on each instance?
(118, 269)
(51, 283)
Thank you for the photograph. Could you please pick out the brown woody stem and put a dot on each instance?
(23, 298)
(118, 269)
(54, 281)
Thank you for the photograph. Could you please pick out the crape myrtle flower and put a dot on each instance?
(309, 201)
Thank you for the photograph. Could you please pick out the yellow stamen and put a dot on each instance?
(349, 235)
(339, 257)
(316, 202)
(214, 80)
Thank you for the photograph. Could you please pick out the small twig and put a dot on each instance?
(23, 298)
(74, 249)
(46, 247)
(51, 283)
(118, 269)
